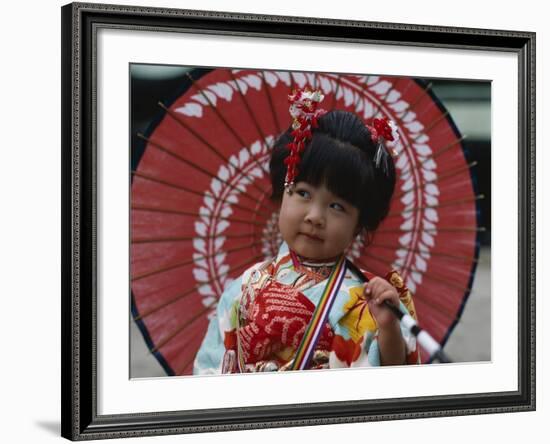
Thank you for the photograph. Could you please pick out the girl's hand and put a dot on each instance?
(378, 290)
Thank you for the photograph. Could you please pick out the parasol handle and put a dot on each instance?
(422, 336)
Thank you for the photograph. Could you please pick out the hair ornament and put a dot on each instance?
(304, 112)
(383, 131)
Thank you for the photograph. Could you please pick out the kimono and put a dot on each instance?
(261, 317)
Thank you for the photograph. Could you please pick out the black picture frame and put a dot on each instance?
(80, 419)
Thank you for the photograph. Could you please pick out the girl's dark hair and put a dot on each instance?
(340, 155)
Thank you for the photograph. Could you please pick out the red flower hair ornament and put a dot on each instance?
(304, 110)
(383, 131)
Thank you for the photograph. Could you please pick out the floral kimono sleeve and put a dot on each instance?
(356, 333)
(210, 355)
(407, 307)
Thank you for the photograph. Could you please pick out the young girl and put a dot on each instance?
(309, 308)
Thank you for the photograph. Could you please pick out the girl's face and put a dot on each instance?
(316, 223)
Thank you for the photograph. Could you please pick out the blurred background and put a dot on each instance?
(469, 105)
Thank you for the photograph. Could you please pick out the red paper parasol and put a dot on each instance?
(201, 212)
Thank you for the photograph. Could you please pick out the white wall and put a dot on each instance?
(30, 221)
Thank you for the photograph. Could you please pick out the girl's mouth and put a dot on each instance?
(312, 237)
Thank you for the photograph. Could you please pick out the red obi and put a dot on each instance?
(277, 318)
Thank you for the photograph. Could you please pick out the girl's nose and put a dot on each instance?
(315, 216)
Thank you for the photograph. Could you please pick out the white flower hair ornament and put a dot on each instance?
(304, 112)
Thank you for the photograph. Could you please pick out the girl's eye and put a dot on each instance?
(337, 206)
(303, 193)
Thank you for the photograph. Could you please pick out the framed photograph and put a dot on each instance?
(179, 258)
